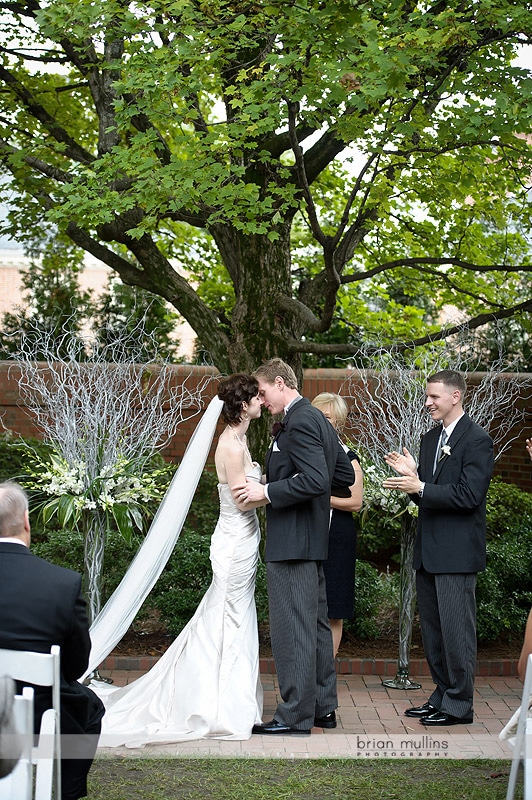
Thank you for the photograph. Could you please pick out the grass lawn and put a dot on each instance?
(309, 779)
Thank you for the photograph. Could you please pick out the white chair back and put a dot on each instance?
(18, 784)
(522, 747)
(41, 669)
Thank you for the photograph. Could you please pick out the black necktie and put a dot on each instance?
(277, 427)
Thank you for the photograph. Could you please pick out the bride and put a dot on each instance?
(207, 684)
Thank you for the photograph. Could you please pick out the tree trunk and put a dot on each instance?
(260, 270)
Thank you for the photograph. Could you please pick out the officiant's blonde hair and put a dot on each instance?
(328, 400)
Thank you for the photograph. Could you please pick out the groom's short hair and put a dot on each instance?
(274, 368)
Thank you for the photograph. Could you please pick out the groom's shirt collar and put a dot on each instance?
(450, 428)
(292, 402)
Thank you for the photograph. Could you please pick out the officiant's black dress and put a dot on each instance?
(340, 565)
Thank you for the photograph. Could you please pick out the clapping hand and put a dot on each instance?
(528, 445)
(403, 463)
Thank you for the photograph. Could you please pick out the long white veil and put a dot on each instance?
(118, 613)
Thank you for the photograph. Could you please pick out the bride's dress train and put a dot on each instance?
(207, 684)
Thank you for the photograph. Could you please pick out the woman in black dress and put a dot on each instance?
(340, 565)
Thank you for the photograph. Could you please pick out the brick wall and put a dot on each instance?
(514, 466)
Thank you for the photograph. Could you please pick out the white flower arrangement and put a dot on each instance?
(392, 504)
(121, 489)
(446, 450)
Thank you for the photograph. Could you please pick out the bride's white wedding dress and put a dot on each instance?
(207, 684)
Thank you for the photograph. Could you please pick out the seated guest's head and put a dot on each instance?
(14, 518)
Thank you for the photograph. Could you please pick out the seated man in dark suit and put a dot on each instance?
(42, 605)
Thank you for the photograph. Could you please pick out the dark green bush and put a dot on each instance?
(379, 537)
(504, 589)
(14, 456)
(368, 599)
(65, 548)
(507, 507)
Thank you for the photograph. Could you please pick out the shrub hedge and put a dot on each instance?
(504, 590)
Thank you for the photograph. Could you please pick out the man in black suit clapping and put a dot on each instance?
(450, 486)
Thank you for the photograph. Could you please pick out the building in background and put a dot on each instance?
(94, 277)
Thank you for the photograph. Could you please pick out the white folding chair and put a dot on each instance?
(522, 746)
(18, 784)
(41, 669)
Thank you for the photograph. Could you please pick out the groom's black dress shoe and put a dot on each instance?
(279, 728)
(442, 719)
(328, 721)
(421, 711)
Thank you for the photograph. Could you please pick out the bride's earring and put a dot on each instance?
(245, 415)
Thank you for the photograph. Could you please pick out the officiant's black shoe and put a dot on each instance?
(279, 728)
(328, 721)
(441, 719)
(421, 711)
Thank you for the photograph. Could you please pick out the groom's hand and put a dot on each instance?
(249, 492)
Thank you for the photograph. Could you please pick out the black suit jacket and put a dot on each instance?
(304, 461)
(41, 605)
(451, 530)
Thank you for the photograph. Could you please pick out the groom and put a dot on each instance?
(303, 462)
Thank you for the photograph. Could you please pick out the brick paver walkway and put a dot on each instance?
(371, 723)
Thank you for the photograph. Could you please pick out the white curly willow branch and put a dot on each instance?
(94, 411)
(389, 399)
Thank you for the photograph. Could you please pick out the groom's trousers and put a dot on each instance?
(301, 642)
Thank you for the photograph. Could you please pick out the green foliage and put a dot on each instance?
(144, 319)
(66, 548)
(507, 508)
(279, 171)
(504, 589)
(13, 457)
(368, 599)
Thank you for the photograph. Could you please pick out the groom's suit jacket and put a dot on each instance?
(451, 529)
(41, 605)
(303, 462)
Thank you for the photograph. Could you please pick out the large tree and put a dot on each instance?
(308, 157)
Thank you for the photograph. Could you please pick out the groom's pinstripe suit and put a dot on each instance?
(305, 460)
(450, 549)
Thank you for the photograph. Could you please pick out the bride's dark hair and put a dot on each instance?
(233, 391)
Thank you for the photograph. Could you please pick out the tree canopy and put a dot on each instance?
(321, 172)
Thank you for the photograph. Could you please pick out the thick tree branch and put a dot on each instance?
(296, 346)
(35, 109)
(157, 276)
(421, 260)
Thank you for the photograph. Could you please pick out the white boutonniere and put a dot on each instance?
(445, 451)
